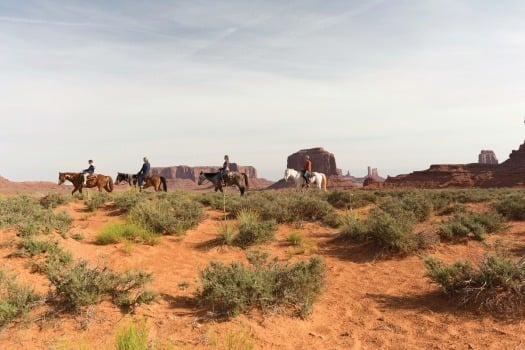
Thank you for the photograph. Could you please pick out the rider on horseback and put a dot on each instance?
(89, 171)
(225, 168)
(143, 172)
(307, 169)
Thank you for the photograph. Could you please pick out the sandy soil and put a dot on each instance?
(367, 303)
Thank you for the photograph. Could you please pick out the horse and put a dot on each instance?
(316, 178)
(154, 180)
(95, 180)
(232, 178)
(131, 179)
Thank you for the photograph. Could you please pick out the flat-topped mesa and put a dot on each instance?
(322, 161)
(510, 173)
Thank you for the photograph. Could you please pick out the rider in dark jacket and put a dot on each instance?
(89, 171)
(143, 172)
(225, 167)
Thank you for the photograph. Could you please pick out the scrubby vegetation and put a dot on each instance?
(267, 284)
(497, 284)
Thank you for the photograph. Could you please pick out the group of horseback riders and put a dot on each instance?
(143, 173)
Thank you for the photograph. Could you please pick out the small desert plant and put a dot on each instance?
(133, 337)
(82, 285)
(53, 200)
(512, 206)
(97, 201)
(350, 199)
(497, 284)
(295, 238)
(126, 200)
(252, 230)
(478, 225)
(117, 232)
(226, 233)
(15, 299)
(353, 228)
(393, 233)
(234, 288)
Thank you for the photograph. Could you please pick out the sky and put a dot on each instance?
(397, 85)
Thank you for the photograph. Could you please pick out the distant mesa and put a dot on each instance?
(486, 173)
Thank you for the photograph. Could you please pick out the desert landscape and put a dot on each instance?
(371, 297)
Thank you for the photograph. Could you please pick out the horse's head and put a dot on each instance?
(202, 178)
(287, 174)
(120, 177)
(62, 177)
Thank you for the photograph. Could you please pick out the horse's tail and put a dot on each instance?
(324, 181)
(109, 184)
(245, 179)
(164, 186)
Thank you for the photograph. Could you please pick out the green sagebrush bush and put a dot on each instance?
(252, 230)
(462, 224)
(30, 218)
(511, 206)
(16, 300)
(235, 288)
(497, 284)
(82, 285)
(171, 216)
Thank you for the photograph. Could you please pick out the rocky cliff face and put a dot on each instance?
(510, 173)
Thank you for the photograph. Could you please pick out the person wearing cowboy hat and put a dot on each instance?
(143, 172)
(307, 169)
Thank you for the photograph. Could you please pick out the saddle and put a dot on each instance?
(92, 176)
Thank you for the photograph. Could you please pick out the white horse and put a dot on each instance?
(318, 179)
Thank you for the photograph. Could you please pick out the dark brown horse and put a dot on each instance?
(232, 178)
(95, 180)
(154, 180)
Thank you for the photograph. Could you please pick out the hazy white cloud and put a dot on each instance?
(396, 85)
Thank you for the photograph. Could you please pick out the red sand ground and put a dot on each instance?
(367, 302)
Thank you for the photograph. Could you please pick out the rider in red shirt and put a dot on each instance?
(307, 169)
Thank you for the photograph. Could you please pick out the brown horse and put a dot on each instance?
(154, 180)
(230, 179)
(95, 180)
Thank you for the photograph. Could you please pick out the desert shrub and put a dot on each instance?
(393, 233)
(97, 201)
(132, 337)
(29, 217)
(463, 224)
(235, 288)
(411, 203)
(349, 199)
(226, 233)
(62, 222)
(497, 284)
(126, 200)
(15, 299)
(56, 258)
(217, 200)
(353, 228)
(295, 238)
(252, 230)
(118, 232)
(82, 285)
(166, 217)
(511, 206)
(53, 200)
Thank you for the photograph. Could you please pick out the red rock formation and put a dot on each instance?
(322, 161)
(487, 157)
(507, 174)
